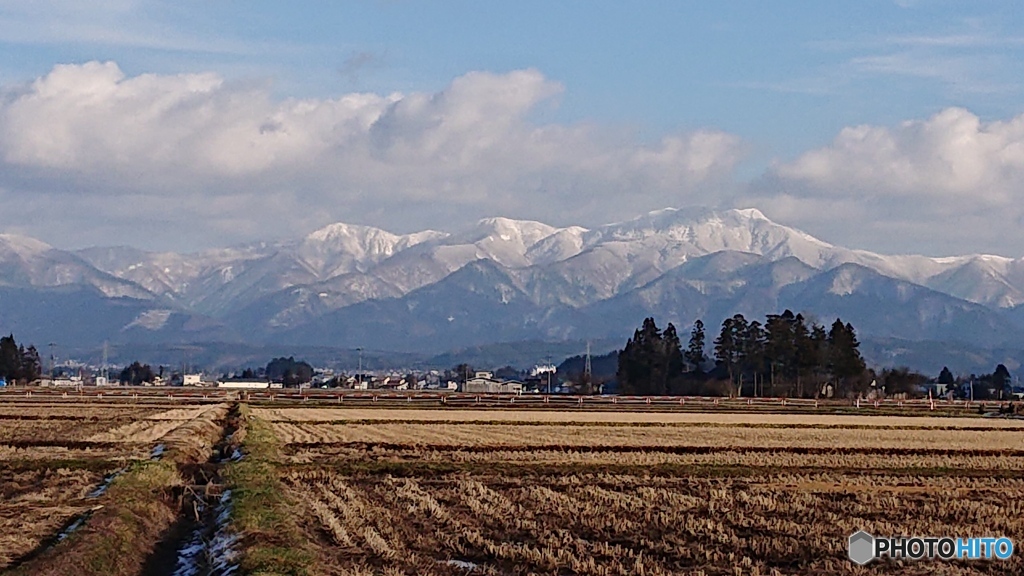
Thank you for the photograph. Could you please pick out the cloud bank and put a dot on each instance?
(90, 155)
(228, 158)
(947, 184)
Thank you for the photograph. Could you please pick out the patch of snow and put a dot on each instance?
(844, 283)
(104, 485)
(211, 549)
(752, 213)
(150, 320)
(24, 246)
(75, 525)
(462, 564)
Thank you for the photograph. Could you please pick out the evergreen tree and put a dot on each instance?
(10, 358)
(628, 372)
(136, 374)
(846, 363)
(779, 346)
(652, 362)
(753, 356)
(806, 357)
(947, 380)
(672, 352)
(729, 348)
(902, 381)
(789, 354)
(1002, 382)
(945, 376)
(461, 372)
(31, 365)
(695, 356)
(289, 372)
(650, 356)
(819, 350)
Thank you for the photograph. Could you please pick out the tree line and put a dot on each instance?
(289, 371)
(784, 356)
(18, 363)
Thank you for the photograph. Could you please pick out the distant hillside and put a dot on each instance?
(602, 367)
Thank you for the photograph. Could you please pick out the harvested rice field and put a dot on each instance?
(463, 491)
(527, 415)
(59, 461)
(230, 488)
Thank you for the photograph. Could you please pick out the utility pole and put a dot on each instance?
(359, 375)
(53, 364)
(586, 366)
(103, 370)
(547, 368)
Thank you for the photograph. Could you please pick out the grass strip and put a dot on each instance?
(138, 509)
(261, 512)
(119, 537)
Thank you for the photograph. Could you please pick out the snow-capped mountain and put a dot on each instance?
(503, 279)
(28, 262)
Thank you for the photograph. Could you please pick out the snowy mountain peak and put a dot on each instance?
(684, 222)
(23, 245)
(340, 248)
(340, 231)
(752, 213)
(682, 258)
(526, 232)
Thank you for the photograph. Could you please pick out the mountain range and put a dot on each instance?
(504, 281)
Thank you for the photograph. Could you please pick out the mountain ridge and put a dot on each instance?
(505, 279)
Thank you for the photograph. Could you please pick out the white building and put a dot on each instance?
(72, 382)
(192, 380)
(485, 383)
(250, 384)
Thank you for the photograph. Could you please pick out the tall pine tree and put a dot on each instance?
(845, 362)
(695, 356)
(652, 361)
(672, 352)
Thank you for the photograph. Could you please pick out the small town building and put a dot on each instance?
(243, 384)
(486, 383)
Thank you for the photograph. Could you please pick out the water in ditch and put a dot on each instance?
(208, 547)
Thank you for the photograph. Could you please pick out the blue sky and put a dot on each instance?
(780, 86)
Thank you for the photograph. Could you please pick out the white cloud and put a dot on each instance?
(950, 183)
(950, 154)
(87, 135)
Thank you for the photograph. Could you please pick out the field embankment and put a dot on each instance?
(119, 522)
